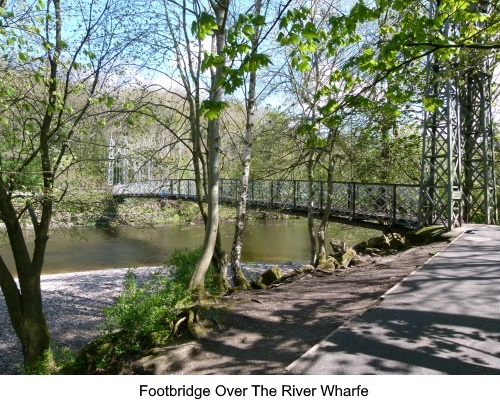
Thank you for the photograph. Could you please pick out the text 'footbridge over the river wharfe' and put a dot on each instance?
(367, 204)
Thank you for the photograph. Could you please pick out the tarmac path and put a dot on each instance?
(442, 319)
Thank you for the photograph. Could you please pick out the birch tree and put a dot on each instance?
(213, 106)
(239, 278)
(311, 62)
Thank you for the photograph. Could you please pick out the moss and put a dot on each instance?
(330, 264)
(271, 275)
(426, 234)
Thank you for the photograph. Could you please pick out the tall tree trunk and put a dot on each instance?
(191, 71)
(25, 303)
(332, 138)
(197, 281)
(239, 278)
(310, 207)
(219, 258)
(326, 214)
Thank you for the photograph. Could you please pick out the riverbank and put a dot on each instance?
(262, 333)
(155, 211)
(110, 212)
(73, 304)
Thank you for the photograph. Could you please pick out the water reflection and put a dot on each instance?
(270, 241)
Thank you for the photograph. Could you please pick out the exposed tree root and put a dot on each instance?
(194, 319)
(193, 316)
(176, 327)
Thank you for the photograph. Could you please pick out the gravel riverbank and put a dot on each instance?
(73, 304)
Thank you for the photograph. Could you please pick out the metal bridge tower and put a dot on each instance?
(457, 178)
(118, 162)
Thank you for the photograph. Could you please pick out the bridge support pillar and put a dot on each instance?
(457, 178)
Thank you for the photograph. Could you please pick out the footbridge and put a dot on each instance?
(457, 172)
(367, 204)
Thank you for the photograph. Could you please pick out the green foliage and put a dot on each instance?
(204, 25)
(144, 315)
(145, 307)
(53, 362)
(238, 56)
(108, 215)
(182, 264)
(408, 33)
(430, 104)
(211, 109)
(302, 36)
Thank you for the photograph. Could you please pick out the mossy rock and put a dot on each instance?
(271, 275)
(356, 261)
(396, 240)
(432, 233)
(360, 247)
(306, 267)
(330, 264)
(379, 242)
(346, 258)
(373, 251)
(339, 246)
(258, 284)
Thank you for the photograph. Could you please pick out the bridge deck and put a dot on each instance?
(368, 204)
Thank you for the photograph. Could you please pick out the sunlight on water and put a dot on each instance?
(271, 241)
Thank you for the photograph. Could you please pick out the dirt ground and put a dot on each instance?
(266, 330)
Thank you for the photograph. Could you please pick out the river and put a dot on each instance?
(87, 248)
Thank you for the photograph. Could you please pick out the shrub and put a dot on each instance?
(54, 361)
(145, 313)
(145, 307)
(182, 264)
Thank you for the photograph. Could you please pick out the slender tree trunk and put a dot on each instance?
(219, 258)
(326, 214)
(220, 261)
(197, 281)
(238, 276)
(191, 71)
(310, 207)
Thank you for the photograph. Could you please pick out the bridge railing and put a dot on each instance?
(375, 202)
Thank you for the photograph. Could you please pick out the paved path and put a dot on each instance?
(443, 319)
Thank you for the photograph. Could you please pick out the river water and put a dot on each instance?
(269, 241)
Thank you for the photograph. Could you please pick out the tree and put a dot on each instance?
(51, 78)
(230, 58)
(214, 103)
(316, 81)
(238, 276)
